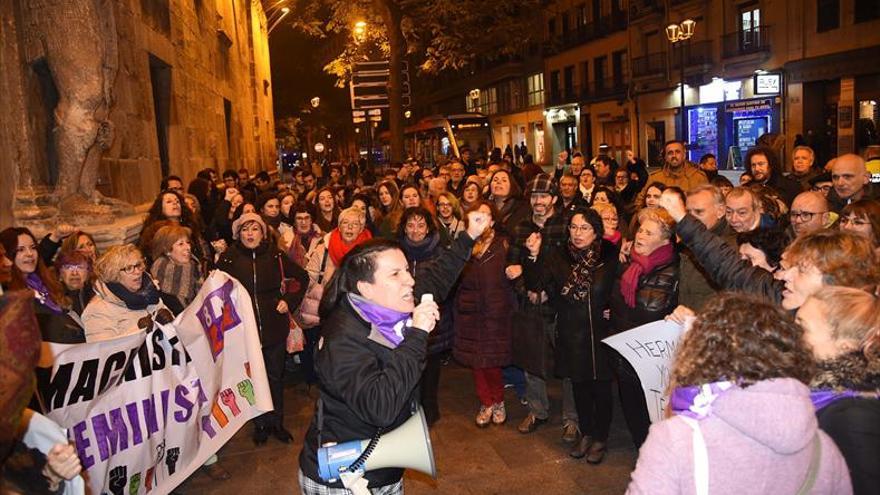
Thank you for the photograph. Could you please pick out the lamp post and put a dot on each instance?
(284, 12)
(677, 34)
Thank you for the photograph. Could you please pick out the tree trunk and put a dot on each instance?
(391, 15)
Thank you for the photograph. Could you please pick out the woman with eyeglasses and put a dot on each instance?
(862, 217)
(29, 272)
(577, 279)
(449, 216)
(126, 301)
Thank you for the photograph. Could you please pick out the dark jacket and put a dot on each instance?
(871, 191)
(58, 328)
(697, 287)
(442, 336)
(513, 211)
(723, 264)
(366, 385)
(656, 297)
(853, 423)
(786, 187)
(258, 271)
(80, 298)
(483, 306)
(580, 326)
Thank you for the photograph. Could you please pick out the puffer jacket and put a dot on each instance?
(106, 317)
(656, 297)
(320, 267)
(482, 310)
(759, 439)
(259, 271)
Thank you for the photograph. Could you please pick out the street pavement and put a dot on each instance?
(470, 460)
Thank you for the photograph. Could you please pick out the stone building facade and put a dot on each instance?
(185, 83)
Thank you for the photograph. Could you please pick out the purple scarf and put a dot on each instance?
(42, 292)
(825, 397)
(696, 401)
(386, 321)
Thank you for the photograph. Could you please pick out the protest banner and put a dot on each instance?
(650, 350)
(146, 410)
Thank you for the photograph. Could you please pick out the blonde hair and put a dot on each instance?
(110, 265)
(165, 238)
(852, 314)
(453, 201)
(660, 217)
(604, 207)
(353, 214)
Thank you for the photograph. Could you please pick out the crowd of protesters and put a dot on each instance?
(776, 279)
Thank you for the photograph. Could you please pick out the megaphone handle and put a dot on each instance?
(362, 459)
(356, 483)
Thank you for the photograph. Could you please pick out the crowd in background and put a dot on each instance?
(776, 277)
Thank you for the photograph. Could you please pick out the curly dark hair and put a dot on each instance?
(591, 216)
(770, 241)
(742, 339)
(772, 160)
(412, 212)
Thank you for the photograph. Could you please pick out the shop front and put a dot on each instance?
(563, 125)
(728, 128)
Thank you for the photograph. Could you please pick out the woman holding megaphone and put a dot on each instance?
(373, 349)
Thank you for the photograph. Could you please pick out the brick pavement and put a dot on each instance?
(470, 460)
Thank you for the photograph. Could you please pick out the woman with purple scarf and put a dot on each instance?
(646, 290)
(374, 343)
(741, 418)
(29, 271)
(842, 326)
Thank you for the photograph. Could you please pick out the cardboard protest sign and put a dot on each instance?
(146, 410)
(650, 349)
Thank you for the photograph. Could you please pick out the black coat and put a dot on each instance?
(854, 425)
(721, 262)
(258, 270)
(656, 297)
(366, 385)
(580, 326)
(483, 306)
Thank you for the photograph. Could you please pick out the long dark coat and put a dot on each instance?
(483, 306)
(580, 325)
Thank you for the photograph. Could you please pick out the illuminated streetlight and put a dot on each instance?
(676, 34)
(359, 31)
(407, 114)
(284, 12)
(315, 101)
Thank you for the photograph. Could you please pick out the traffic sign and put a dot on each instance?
(374, 111)
(358, 113)
(358, 120)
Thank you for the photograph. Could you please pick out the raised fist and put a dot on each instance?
(228, 397)
(171, 459)
(118, 479)
(246, 390)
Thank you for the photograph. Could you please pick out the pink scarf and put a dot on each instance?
(640, 265)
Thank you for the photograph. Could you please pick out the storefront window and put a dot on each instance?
(703, 132)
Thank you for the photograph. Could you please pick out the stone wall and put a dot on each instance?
(198, 67)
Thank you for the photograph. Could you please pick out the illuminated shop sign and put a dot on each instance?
(768, 84)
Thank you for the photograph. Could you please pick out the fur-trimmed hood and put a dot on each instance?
(853, 371)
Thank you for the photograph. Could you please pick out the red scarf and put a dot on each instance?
(338, 248)
(640, 265)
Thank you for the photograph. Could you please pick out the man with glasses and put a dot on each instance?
(821, 183)
(809, 213)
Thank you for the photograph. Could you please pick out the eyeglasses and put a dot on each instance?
(80, 268)
(804, 216)
(350, 225)
(821, 188)
(856, 222)
(134, 268)
(580, 228)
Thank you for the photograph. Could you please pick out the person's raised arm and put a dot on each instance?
(439, 275)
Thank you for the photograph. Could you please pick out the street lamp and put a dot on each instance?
(359, 31)
(316, 101)
(284, 12)
(677, 34)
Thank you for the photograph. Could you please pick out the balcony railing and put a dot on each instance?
(697, 53)
(746, 41)
(644, 8)
(653, 64)
(564, 95)
(605, 89)
(585, 33)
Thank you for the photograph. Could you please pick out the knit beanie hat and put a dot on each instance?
(247, 218)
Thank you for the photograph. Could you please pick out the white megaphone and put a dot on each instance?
(407, 446)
